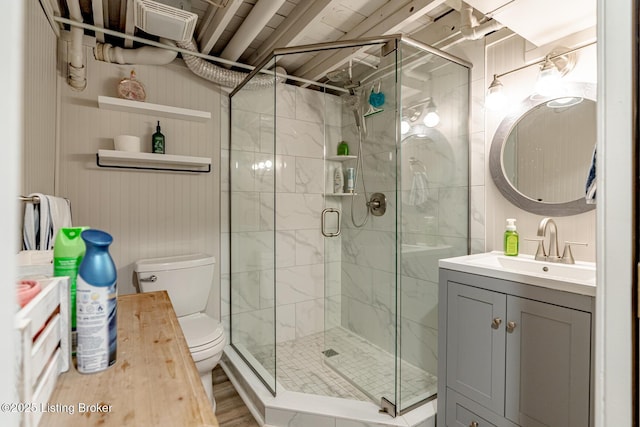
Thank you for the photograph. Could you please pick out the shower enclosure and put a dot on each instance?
(332, 291)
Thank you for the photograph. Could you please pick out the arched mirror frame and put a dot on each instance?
(576, 89)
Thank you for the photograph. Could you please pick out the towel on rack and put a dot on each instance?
(60, 215)
(43, 220)
(590, 186)
(419, 193)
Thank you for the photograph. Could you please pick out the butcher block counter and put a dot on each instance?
(154, 381)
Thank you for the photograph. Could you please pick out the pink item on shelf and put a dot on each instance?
(27, 290)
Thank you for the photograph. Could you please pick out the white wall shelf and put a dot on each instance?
(341, 158)
(126, 105)
(150, 161)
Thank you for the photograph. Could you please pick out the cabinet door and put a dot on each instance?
(476, 344)
(548, 365)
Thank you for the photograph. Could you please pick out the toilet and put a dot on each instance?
(187, 280)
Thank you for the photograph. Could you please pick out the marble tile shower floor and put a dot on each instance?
(302, 367)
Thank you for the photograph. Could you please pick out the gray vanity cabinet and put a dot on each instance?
(512, 354)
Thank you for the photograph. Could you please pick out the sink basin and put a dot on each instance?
(579, 277)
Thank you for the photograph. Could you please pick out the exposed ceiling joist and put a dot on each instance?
(98, 9)
(129, 24)
(387, 20)
(260, 14)
(291, 28)
(219, 22)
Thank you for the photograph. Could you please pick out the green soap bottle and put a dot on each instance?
(343, 149)
(157, 141)
(511, 238)
(68, 251)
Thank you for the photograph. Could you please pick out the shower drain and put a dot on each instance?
(329, 353)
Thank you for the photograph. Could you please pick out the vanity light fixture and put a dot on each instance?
(431, 116)
(424, 113)
(554, 66)
(548, 83)
(496, 99)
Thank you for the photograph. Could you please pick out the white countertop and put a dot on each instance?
(578, 278)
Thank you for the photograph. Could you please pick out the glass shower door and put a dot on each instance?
(360, 262)
(252, 219)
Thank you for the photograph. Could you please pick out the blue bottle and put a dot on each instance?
(96, 305)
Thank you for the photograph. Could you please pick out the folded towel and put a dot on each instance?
(419, 193)
(33, 212)
(590, 186)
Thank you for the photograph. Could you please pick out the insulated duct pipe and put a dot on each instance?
(77, 73)
(222, 76)
(470, 29)
(146, 55)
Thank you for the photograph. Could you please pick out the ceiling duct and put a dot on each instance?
(164, 21)
(223, 76)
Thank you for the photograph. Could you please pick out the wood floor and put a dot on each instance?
(230, 409)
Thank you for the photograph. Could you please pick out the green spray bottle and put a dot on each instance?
(68, 251)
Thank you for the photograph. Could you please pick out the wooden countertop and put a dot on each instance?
(154, 381)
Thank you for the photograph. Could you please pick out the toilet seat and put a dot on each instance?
(203, 334)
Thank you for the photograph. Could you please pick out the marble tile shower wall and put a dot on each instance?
(304, 119)
(434, 229)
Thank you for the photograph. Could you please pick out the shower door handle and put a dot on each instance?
(324, 216)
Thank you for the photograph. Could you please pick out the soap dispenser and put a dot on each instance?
(511, 239)
(157, 141)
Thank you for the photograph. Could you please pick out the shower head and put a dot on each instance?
(352, 100)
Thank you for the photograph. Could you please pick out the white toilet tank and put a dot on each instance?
(187, 279)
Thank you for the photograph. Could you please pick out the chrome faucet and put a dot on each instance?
(553, 254)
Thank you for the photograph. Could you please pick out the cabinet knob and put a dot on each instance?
(474, 424)
(511, 326)
(496, 323)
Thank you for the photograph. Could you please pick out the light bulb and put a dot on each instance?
(549, 80)
(431, 119)
(405, 127)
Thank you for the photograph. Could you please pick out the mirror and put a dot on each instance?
(541, 153)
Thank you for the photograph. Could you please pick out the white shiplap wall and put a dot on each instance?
(39, 146)
(148, 213)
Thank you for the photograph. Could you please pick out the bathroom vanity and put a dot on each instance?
(153, 382)
(515, 342)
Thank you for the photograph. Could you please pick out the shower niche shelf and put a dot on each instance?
(340, 194)
(151, 161)
(341, 158)
(128, 106)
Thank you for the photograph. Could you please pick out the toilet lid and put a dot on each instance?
(200, 329)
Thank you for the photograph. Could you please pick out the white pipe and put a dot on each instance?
(77, 73)
(470, 29)
(194, 52)
(146, 55)
(261, 13)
